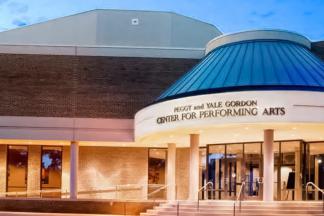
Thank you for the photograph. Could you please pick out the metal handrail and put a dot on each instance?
(157, 190)
(239, 198)
(66, 193)
(317, 188)
(204, 188)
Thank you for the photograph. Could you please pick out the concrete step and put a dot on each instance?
(211, 212)
(249, 208)
(299, 209)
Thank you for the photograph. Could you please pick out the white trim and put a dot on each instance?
(257, 35)
(147, 120)
(78, 129)
(117, 51)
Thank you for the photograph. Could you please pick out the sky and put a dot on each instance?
(302, 16)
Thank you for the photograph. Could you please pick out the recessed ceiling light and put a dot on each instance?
(294, 128)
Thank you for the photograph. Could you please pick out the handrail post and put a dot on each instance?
(316, 188)
(204, 188)
(178, 208)
(238, 198)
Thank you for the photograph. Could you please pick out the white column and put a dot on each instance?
(298, 183)
(194, 167)
(74, 162)
(171, 172)
(268, 165)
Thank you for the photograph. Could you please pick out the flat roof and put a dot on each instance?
(118, 30)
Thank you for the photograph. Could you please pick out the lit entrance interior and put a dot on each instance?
(230, 164)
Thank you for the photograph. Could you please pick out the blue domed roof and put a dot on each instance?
(272, 63)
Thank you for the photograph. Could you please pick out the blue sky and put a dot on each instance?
(303, 16)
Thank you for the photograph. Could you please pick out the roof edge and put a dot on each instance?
(241, 88)
(262, 34)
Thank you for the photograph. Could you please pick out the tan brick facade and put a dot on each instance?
(34, 170)
(66, 169)
(3, 168)
(103, 167)
(182, 173)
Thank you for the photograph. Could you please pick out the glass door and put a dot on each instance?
(315, 168)
(231, 164)
(216, 170)
(17, 164)
(234, 168)
(253, 171)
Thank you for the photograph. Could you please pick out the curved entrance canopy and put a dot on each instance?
(247, 82)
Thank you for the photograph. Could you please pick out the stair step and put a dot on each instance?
(253, 208)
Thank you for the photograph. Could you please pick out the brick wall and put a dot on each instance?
(80, 86)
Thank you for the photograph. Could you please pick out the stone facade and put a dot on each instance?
(66, 169)
(81, 86)
(3, 169)
(182, 172)
(103, 167)
(34, 166)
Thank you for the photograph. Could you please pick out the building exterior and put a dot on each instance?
(71, 88)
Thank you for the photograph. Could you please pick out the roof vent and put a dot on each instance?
(135, 21)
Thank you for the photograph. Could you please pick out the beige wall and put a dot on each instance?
(103, 167)
(182, 173)
(34, 166)
(66, 169)
(3, 168)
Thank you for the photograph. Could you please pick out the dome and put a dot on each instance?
(253, 60)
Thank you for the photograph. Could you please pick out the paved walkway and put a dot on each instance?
(46, 214)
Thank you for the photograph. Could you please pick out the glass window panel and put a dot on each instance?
(252, 155)
(316, 168)
(17, 168)
(216, 169)
(156, 172)
(51, 170)
(234, 156)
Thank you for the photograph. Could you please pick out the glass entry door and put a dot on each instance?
(234, 166)
(17, 168)
(315, 169)
(231, 164)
